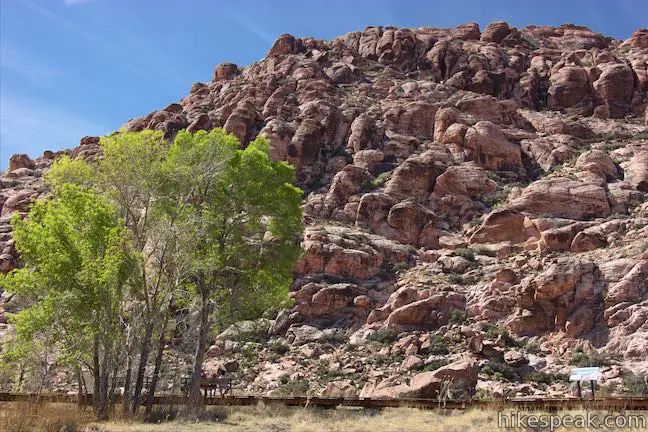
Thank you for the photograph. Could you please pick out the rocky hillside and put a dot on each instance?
(475, 207)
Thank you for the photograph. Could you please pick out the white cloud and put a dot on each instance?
(29, 126)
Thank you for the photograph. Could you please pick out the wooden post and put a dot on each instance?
(578, 389)
(592, 385)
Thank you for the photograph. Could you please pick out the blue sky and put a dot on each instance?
(70, 68)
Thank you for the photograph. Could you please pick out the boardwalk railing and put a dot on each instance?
(540, 404)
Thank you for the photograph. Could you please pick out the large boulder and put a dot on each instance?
(562, 197)
(615, 87)
(462, 376)
(489, 147)
(569, 87)
(346, 183)
(429, 313)
(410, 218)
(18, 161)
(505, 226)
(637, 171)
(467, 180)
(415, 177)
(225, 71)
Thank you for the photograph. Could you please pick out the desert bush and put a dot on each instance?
(401, 266)
(483, 250)
(435, 364)
(636, 384)
(589, 359)
(295, 388)
(494, 331)
(532, 347)
(278, 347)
(465, 252)
(383, 336)
(477, 221)
(539, 377)
(438, 346)
(462, 279)
(499, 371)
(334, 338)
(457, 316)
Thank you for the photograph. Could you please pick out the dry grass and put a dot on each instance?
(283, 419)
(24, 417)
(53, 417)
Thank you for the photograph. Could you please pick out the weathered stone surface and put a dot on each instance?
(225, 71)
(409, 144)
(428, 313)
(18, 161)
(505, 225)
(637, 171)
(415, 177)
(561, 197)
(488, 146)
(570, 86)
(465, 180)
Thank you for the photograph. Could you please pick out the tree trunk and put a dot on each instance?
(127, 385)
(113, 386)
(193, 401)
(103, 395)
(158, 367)
(141, 370)
(102, 407)
(95, 377)
(80, 388)
(42, 384)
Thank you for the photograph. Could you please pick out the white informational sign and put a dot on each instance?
(585, 374)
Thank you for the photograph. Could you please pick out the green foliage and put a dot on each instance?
(295, 388)
(462, 279)
(532, 347)
(435, 364)
(383, 336)
(401, 266)
(278, 347)
(240, 223)
(493, 199)
(499, 371)
(477, 221)
(636, 384)
(484, 250)
(457, 316)
(589, 359)
(334, 338)
(465, 252)
(77, 264)
(381, 179)
(539, 377)
(494, 332)
(438, 346)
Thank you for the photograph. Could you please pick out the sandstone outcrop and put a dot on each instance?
(466, 191)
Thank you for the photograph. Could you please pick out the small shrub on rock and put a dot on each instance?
(466, 253)
(589, 359)
(383, 336)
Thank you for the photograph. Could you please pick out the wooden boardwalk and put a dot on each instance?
(541, 404)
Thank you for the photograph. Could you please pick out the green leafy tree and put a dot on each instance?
(77, 264)
(238, 231)
(133, 175)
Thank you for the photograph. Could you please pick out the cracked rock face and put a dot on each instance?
(467, 192)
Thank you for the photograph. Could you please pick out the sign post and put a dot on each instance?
(591, 374)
